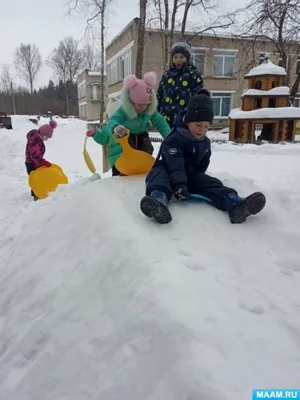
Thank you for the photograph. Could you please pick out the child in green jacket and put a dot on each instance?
(138, 110)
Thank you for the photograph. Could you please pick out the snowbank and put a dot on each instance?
(97, 302)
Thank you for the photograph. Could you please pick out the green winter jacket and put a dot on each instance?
(134, 122)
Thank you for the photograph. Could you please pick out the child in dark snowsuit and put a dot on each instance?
(180, 167)
(178, 84)
(35, 148)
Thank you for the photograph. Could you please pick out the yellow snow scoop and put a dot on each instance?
(132, 162)
(44, 180)
(87, 158)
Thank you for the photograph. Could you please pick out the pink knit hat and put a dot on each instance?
(141, 89)
(47, 130)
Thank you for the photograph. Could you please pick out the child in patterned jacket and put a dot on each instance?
(35, 148)
(178, 84)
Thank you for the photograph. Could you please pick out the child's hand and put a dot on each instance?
(181, 193)
(46, 163)
(91, 132)
(120, 131)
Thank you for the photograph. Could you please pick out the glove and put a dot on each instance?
(46, 163)
(120, 131)
(91, 132)
(181, 193)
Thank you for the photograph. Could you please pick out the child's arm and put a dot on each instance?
(160, 124)
(196, 82)
(101, 136)
(205, 162)
(173, 155)
(161, 90)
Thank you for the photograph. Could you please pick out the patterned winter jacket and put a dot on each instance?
(35, 149)
(175, 90)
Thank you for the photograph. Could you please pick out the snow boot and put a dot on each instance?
(156, 206)
(241, 208)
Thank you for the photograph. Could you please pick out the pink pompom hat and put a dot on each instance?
(141, 89)
(47, 129)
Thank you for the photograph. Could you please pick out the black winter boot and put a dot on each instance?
(156, 206)
(242, 208)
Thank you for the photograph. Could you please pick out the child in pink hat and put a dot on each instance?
(35, 148)
(137, 113)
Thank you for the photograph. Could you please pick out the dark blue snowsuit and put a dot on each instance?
(182, 161)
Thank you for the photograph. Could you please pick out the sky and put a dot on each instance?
(45, 22)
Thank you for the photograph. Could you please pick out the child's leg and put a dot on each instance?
(141, 142)
(158, 193)
(225, 198)
(29, 169)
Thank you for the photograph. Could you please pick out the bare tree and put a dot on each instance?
(28, 62)
(96, 12)
(6, 78)
(141, 39)
(92, 58)
(66, 59)
(277, 22)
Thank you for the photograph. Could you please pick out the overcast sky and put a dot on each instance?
(45, 22)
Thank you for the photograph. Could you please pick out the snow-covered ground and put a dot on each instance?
(97, 302)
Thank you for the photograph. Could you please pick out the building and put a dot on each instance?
(265, 103)
(89, 86)
(223, 62)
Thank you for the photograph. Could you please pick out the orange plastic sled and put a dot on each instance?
(132, 162)
(44, 180)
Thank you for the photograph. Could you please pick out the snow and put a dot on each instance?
(97, 302)
(96, 73)
(277, 113)
(266, 68)
(277, 91)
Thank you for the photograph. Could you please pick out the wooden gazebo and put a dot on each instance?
(264, 103)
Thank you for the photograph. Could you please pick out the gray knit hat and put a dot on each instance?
(183, 48)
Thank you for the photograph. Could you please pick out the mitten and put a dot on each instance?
(120, 131)
(91, 132)
(46, 163)
(181, 193)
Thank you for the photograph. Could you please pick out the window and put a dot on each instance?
(298, 66)
(257, 102)
(280, 62)
(221, 104)
(224, 63)
(95, 92)
(113, 73)
(257, 85)
(81, 91)
(262, 56)
(125, 63)
(296, 102)
(198, 59)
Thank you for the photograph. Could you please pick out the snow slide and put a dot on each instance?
(97, 302)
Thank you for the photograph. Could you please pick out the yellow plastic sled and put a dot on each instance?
(132, 162)
(87, 158)
(46, 179)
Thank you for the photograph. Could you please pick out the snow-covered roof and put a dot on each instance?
(277, 91)
(277, 113)
(266, 68)
(95, 73)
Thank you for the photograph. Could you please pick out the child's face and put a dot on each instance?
(198, 129)
(140, 108)
(179, 60)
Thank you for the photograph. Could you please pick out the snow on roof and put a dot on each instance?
(277, 113)
(277, 91)
(96, 73)
(266, 68)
